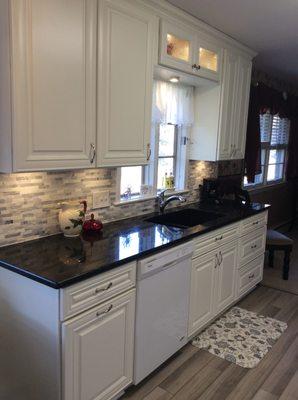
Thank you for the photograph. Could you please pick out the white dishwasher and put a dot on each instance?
(163, 286)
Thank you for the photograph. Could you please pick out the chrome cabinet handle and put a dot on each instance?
(256, 223)
(100, 314)
(148, 152)
(221, 258)
(99, 290)
(233, 150)
(92, 153)
(254, 246)
(251, 276)
(216, 261)
(219, 238)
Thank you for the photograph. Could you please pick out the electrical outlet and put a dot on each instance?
(101, 199)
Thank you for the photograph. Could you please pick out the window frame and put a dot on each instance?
(174, 156)
(267, 146)
(150, 171)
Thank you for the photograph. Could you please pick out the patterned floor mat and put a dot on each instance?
(241, 337)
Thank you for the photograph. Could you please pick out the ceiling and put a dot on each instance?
(268, 26)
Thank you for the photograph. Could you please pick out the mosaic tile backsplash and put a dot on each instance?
(29, 202)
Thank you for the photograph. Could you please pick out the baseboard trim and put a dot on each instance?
(280, 290)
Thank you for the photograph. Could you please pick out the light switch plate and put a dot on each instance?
(101, 199)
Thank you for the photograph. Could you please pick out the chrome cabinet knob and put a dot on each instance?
(196, 67)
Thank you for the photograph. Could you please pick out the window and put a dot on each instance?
(169, 162)
(172, 116)
(274, 143)
(166, 154)
(131, 181)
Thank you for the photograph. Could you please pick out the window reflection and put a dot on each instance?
(165, 234)
(129, 245)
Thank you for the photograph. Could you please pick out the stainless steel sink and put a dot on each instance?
(186, 218)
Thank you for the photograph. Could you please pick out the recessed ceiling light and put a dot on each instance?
(175, 79)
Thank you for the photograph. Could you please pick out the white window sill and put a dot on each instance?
(151, 197)
(262, 188)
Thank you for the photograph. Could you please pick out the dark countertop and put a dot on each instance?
(59, 262)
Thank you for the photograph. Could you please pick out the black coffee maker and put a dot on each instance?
(214, 191)
(209, 191)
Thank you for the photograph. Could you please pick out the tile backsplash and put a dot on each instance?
(29, 204)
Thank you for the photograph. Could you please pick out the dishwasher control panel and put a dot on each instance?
(163, 260)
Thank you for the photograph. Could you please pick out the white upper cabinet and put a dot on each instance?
(80, 82)
(219, 130)
(187, 50)
(208, 59)
(76, 82)
(53, 76)
(127, 35)
(234, 106)
(228, 107)
(242, 104)
(177, 47)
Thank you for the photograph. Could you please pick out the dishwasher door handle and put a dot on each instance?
(169, 264)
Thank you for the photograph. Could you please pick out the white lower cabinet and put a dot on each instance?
(98, 350)
(201, 291)
(252, 245)
(212, 285)
(226, 265)
(225, 277)
(249, 275)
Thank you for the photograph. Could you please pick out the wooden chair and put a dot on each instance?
(276, 241)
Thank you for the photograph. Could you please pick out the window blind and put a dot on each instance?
(280, 130)
(265, 127)
(274, 130)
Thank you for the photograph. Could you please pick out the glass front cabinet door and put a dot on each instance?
(207, 59)
(177, 47)
(183, 49)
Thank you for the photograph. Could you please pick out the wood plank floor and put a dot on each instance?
(196, 374)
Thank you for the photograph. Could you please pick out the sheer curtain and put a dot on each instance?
(172, 104)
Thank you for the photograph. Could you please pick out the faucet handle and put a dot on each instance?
(161, 194)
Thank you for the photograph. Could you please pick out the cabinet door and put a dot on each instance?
(98, 350)
(225, 277)
(207, 60)
(228, 107)
(177, 47)
(126, 46)
(242, 103)
(54, 93)
(202, 291)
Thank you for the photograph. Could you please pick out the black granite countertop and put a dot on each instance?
(58, 262)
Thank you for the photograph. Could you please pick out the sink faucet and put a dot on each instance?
(162, 202)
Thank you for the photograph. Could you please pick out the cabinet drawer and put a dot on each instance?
(251, 224)
(252, 245)
(86, 294)
(213, 240)
(249, 275)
